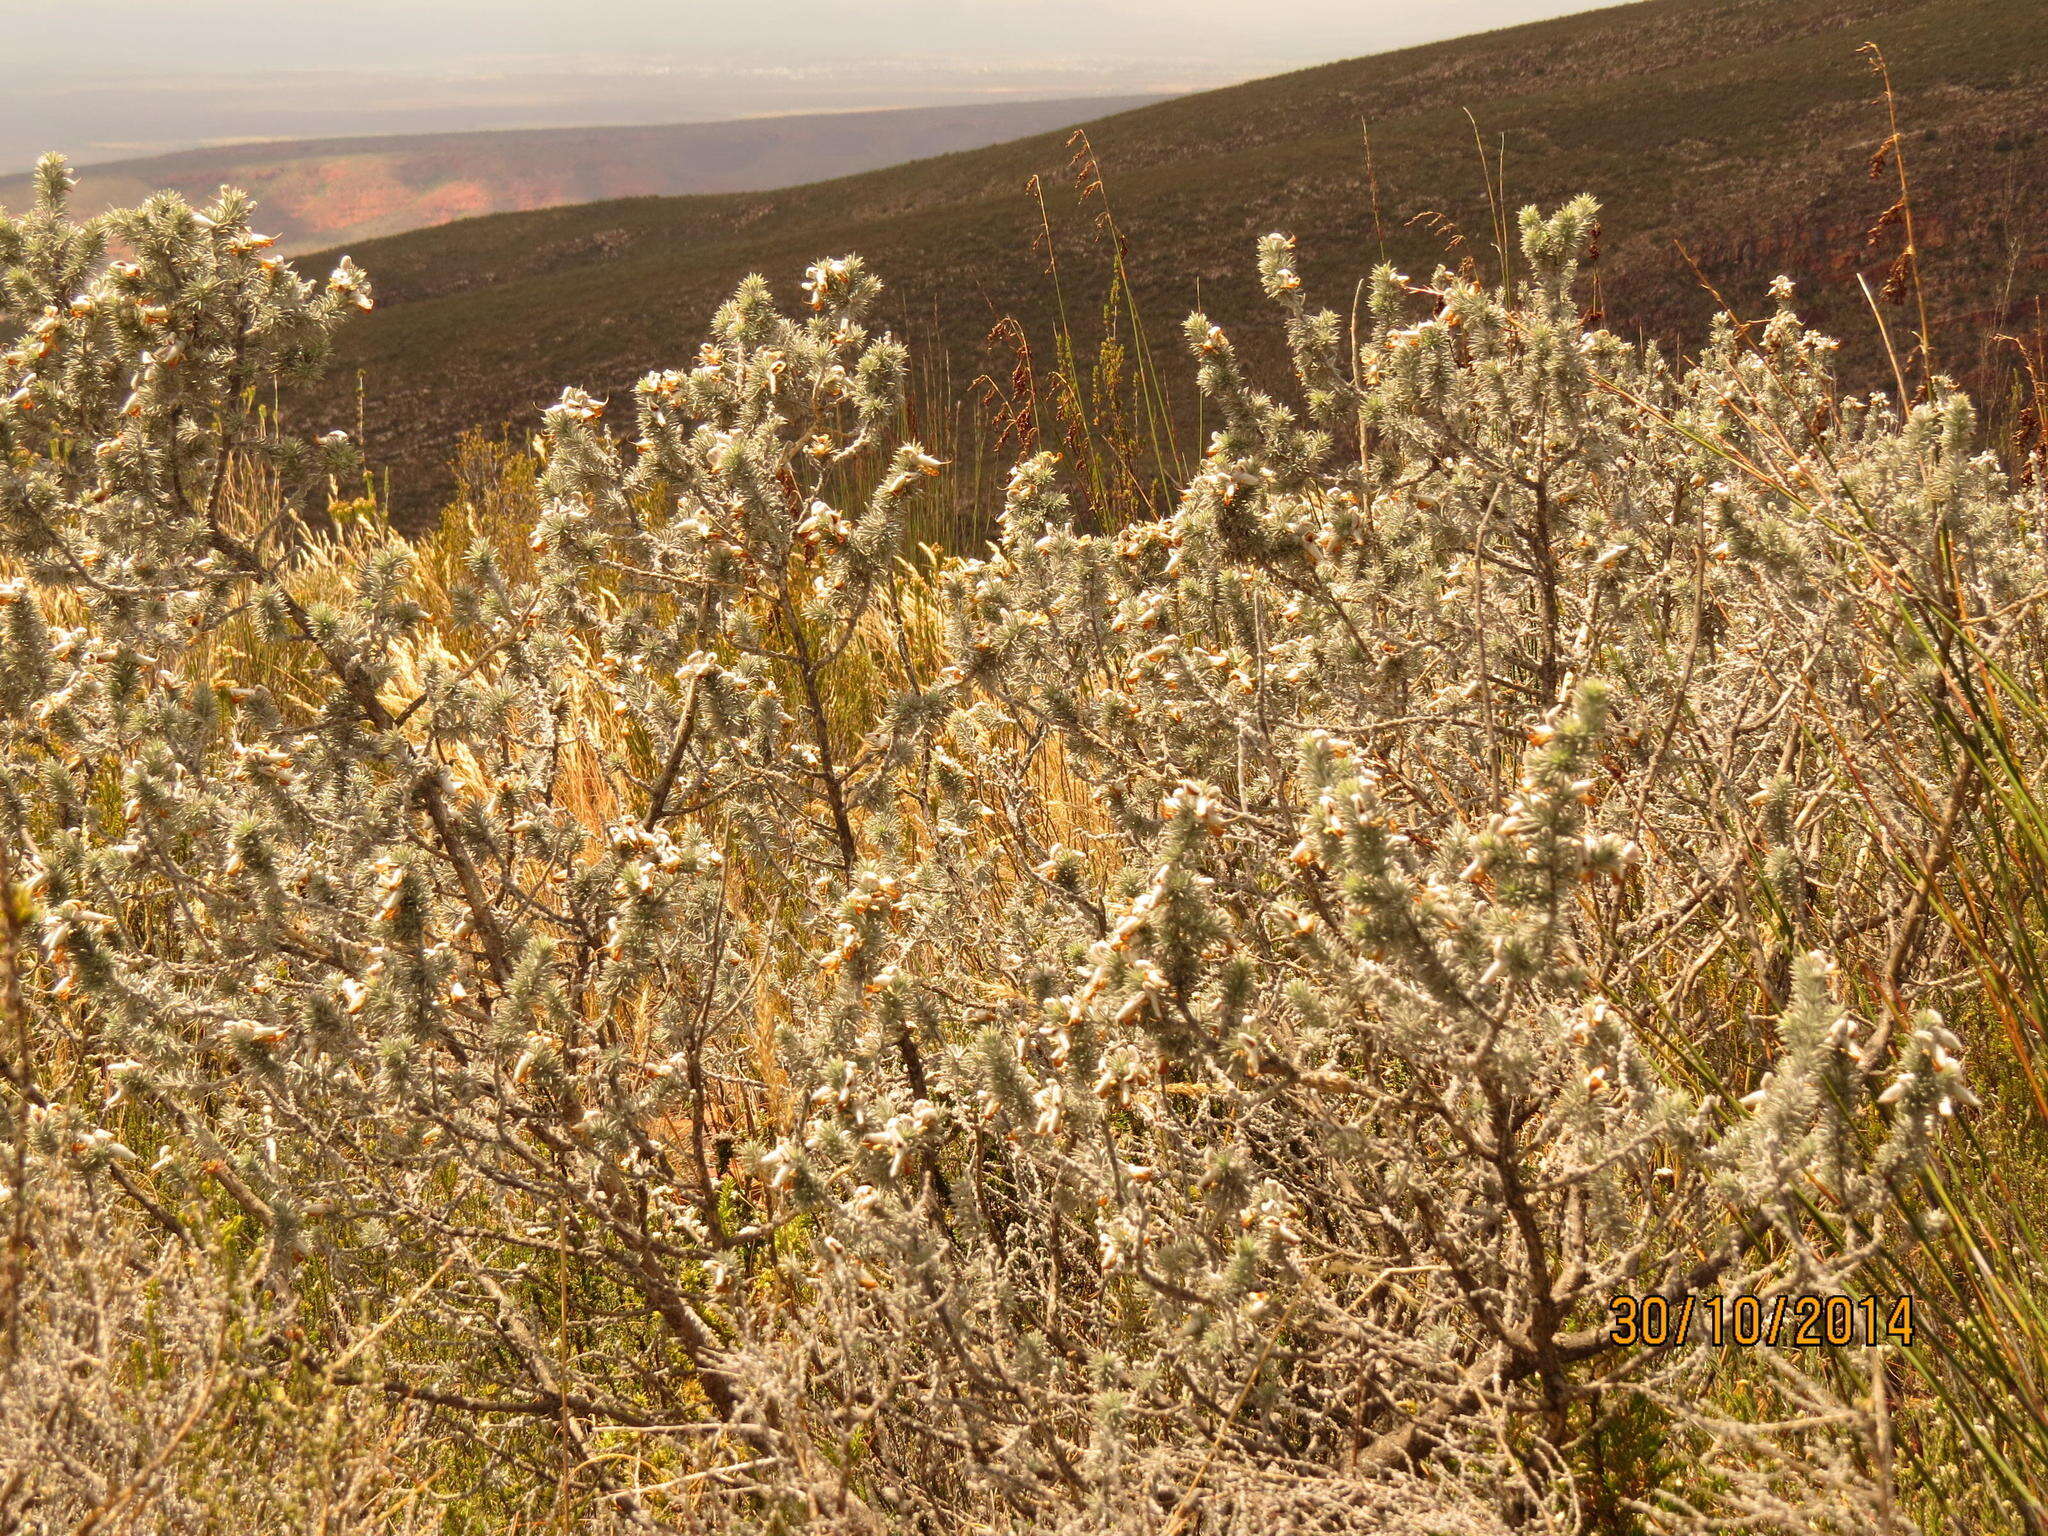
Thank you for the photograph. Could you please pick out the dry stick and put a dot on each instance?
(702, 1345)
(565, 1425)
(157, 1212)
(333, 1370)
(658, 801)
(1692, 651)
(1187, 1499)
(1880, 1412)
(713, 1221)
(1542, 551)
(821, 736)
(1479, 627)
(1931, 866)
(835, 800)
(546, 1407)
(12, 905)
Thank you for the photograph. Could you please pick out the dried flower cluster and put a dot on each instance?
(1180, 1028)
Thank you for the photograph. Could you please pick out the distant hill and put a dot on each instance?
(1739, 130)
(320, 191)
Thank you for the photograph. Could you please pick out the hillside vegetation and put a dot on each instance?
(317, 191)
(1739, 129)
(1338, 1004)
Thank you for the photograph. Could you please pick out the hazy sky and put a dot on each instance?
(100, 78)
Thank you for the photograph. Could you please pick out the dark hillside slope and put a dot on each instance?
(315, 192)
(1737, 130)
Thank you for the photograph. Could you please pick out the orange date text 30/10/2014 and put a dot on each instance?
(1789, 1321)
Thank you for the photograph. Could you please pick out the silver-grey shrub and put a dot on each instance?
(1177, 1027)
